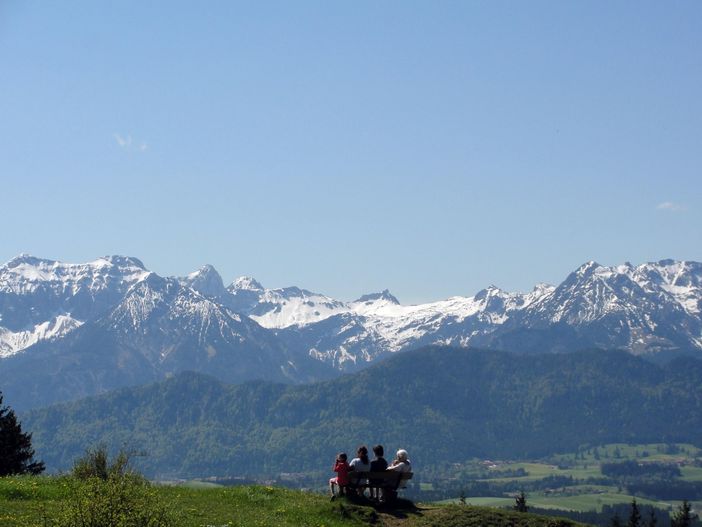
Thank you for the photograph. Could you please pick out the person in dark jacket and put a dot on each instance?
(378, 464)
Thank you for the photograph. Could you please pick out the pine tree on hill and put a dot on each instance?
(652, 522)
(520, 503)
(635, 515)
(16, 452)
(683, 517)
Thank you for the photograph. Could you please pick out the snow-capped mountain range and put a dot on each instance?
(114, 322)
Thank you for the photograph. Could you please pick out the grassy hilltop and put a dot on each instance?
(34, 501)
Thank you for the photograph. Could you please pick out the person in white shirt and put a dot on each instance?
(401, 463)
(361, 463)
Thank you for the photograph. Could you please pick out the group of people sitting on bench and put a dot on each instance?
(382, 486)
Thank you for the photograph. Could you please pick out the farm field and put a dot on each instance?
(576, 481)
(580, 502)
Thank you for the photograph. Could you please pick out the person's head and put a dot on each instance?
(362, 453)
(402, 455)
(378, 450)
(342, 456)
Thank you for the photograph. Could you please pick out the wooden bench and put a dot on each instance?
(388, 481)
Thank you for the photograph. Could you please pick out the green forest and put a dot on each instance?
(442, 404)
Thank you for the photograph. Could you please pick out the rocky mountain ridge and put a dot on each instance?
(112, 322)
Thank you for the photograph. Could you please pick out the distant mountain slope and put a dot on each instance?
(442, 404)
(649, 309)
(44, 299)
(645, 309)
(160, 328)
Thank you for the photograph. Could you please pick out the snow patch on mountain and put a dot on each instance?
(646, 309)
(43, 299)
(25, 273)
(13, 342)
(206, 281)
(246, 283)
(682, 280)
(279, 308)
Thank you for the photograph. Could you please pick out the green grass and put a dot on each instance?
(622, 451)
(198, 484)
(538, 471)
(587, 465)
(33, 501)
(691, 473)
(471, 516)
(26, 501)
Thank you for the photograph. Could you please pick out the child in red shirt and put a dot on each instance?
(341, 467)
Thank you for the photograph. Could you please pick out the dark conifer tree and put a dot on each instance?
(683, 516)
(635, 515)
(652, 522)
(520, 503)
(16, 452)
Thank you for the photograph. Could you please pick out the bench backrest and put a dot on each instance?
(385, 475)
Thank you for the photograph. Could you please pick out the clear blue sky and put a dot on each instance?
(433, 148)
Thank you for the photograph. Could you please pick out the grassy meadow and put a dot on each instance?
(34, 501)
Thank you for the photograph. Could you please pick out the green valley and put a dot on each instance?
(599, 479)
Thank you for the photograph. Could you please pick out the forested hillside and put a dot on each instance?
(442, 404)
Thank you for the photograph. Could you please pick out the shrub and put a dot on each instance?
(95, 463)
(109, 493)
(119, 501)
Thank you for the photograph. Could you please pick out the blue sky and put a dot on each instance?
(432, 148)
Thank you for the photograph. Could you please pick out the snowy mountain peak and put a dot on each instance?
(543, 287)
(374, 297)
(206, 281)
(43, 299)
(25, 274)
(682, 280)
(26, 259)
(163, 312)
(154, 281)
(42, 269)
(646, 308)
(490, 291)
(246, 283)
(123, 261)
(587, 268)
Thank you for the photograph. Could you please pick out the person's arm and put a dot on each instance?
(400, 466)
